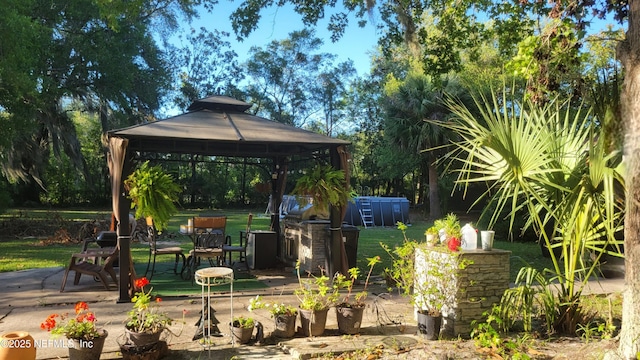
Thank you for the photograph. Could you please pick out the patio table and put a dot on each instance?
(208, 237)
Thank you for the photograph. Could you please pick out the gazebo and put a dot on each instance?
(218, 126)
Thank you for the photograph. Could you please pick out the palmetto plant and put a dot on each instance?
(550, 162)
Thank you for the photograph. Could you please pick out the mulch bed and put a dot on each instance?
(55, 230)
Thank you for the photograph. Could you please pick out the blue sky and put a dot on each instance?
(277, 23)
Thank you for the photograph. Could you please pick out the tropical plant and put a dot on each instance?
(433, 230)
(344, 282)
(144, 317)
(275, 308)
(243, 322)
(402, 259)
(486, 336)
(315, 292)
(325, 185)
(82, 326)
(431, 235)
(153, 194)
(518, 303)
(434, 285)
(449, 226)
(407, 104)
(552, 162)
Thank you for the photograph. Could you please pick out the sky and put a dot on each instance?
(277, 23)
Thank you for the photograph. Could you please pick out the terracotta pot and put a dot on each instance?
(313, 321)
(17, 345)
(142, 339)
(349, 319)
(241, 335)
(285, 325)
(88, 349)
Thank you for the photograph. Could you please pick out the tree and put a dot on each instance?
(629, 55)
(204, 65)
(281, 77)
(330, 93)
(101, 54)
(549, 161)
(410, 105)
(364, 111)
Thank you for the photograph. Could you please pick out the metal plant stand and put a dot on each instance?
(206, 278)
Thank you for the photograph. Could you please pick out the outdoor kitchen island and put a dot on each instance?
(305, 240)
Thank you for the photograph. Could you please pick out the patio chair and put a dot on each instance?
(241, 249)
(156, 249)
(208, 241)
(87, 263)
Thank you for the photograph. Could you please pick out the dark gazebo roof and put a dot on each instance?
(219, 125)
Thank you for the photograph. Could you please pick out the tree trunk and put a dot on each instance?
(434, 197)
(421, 184)
(629, 54)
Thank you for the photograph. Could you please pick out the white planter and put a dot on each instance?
(487, 239)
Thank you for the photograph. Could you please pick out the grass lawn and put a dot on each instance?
(30, 252)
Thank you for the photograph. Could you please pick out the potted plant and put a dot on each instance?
(153, 193)
(242, 329)
(145, 322)
(316, 296)
(80, 328)
(349, 313)
(431, 236)
(402, 257)
(433, 286)
(427, 275)
(283, 315)
(324, 186)
(449, 231)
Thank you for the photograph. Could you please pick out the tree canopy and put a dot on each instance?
(100, 56)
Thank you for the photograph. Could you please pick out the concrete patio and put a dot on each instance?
(28, 297)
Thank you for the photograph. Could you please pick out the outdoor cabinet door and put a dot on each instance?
(261, 249)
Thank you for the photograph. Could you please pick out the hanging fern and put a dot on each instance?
(325, 185)
(153, 194)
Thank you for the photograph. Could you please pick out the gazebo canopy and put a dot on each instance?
(219, 125)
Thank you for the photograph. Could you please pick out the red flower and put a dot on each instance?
(49, 323)
(158, 299)
(80, 306)
(90, 317)
(80, 326)
(142, 282)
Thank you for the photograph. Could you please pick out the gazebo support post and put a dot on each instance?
(119, 163)
(278, 178)
(336, 246)
(124, 240)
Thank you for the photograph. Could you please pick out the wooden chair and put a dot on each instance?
(156, 249)
(208, 241)
(87, 263)
(240, 249)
